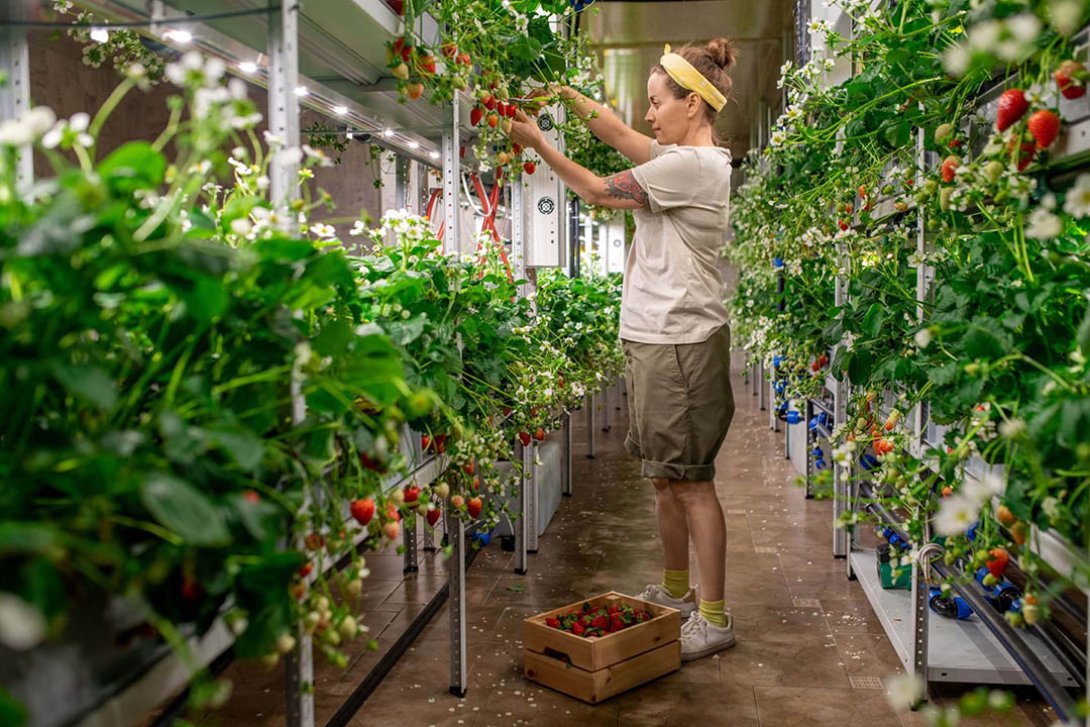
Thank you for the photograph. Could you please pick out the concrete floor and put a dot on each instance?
(805, 632)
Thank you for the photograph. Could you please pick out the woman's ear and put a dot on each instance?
(693, 104)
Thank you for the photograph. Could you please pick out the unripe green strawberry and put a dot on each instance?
(944, 198)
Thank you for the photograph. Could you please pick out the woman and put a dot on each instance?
(673, 320)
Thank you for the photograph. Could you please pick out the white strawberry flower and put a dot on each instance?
(22, 626)
(1043, 225)
(28, 128)
(923, 338)
(323, 230)
(956, 513)
(1077, 202)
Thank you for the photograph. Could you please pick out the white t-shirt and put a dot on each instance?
(673, 289)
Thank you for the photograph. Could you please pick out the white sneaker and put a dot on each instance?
(657, 593)
(700, 638)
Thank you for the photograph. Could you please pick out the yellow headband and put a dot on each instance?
(686, 76)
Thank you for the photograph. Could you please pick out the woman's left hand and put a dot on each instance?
(525, 133)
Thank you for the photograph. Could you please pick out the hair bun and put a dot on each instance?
(722, 52)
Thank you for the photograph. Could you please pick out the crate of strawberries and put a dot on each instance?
(603, 646)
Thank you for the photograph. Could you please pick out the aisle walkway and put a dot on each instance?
(810, 650)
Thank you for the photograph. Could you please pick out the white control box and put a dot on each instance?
(545, 206)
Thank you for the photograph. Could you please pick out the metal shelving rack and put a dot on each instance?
(330, 57)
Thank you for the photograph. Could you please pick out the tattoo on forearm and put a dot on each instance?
(625, 186)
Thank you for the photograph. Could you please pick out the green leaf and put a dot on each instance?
(859, 368)
(245, 448)
(12, 712)
(333, 340)
(133, 166)
(185, 510)
(986, 340)
(1083, 336)
(90, 383)
(872, 322)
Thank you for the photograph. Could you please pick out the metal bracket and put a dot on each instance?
(459, 676)
(565, 462)
(15, 94)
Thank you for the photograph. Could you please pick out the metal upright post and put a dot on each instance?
(283, 54)
(520, 527)
(605, 409)
(810, 441)
(459, 672)
(589, 406)
(919, 620)
(529, 514)
(565, 460)
(15, 93)
(452, 171)
(761, 376)
(401, 182)
(408, 535)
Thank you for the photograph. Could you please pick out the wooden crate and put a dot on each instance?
(596, 669)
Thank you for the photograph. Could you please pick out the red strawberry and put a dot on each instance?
(363, 510)
(516, 148)
(450, 50)
(463, 58)
(469, 468)
(949, 165)
(512, 110)
(501, 109)
(578, 628)
(552, 623)
(525, 438)
(1071, 79)
(412, 494)
(372, 464)
(529, 167)
(476, 484)
(313, 541)
(1012, 106)
(997, 563)
(599, 622)
(539, 434)
(473, 506)
(251, 496)
(1044, 125)
(440, 443)
(414, 90)
(392, 513)
(191, 590)
(842, 224)
(403, 48)
(433, 516)
(425, 442)
(1026, 151)
(488, 101)
(305, 569)
(475, 116)
(427, 64)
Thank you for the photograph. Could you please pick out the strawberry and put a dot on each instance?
(473, 506)
(469, 468)
(488, 101)
(1012, 106)
(949, 165)
(539, 435)
(1071, 79)
(493, 120)
(476, 484)
(943, 132)
(400, 71)
(1026, 151)
(1044, 125)
(529, 167)
(525, 438)
(371, 464)
(512, 110)
(412, 494)
(305, 569)
(433, 516)
(425, 442)
(823, 360)
(1019, 532)
(599, 622)
(251, 496)
(1005, 517)
(553, 623)
(191, 590)
(457, 501)
(578, 628)
(403, 48)
(815, 366)
(313, 541)
(427, 64)
(449, 50)
(414, 90)
(442, 489)
(842, 224)
(391, 530)
(363, 510)
(501, 109)
(464, 59)
(506, 125)
(997, 562)
(516, 148)
(947, 491)
(475, 116)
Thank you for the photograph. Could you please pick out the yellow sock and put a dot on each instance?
(676, 582)
(714, 612)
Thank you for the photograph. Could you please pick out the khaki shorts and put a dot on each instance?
(680, 405)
